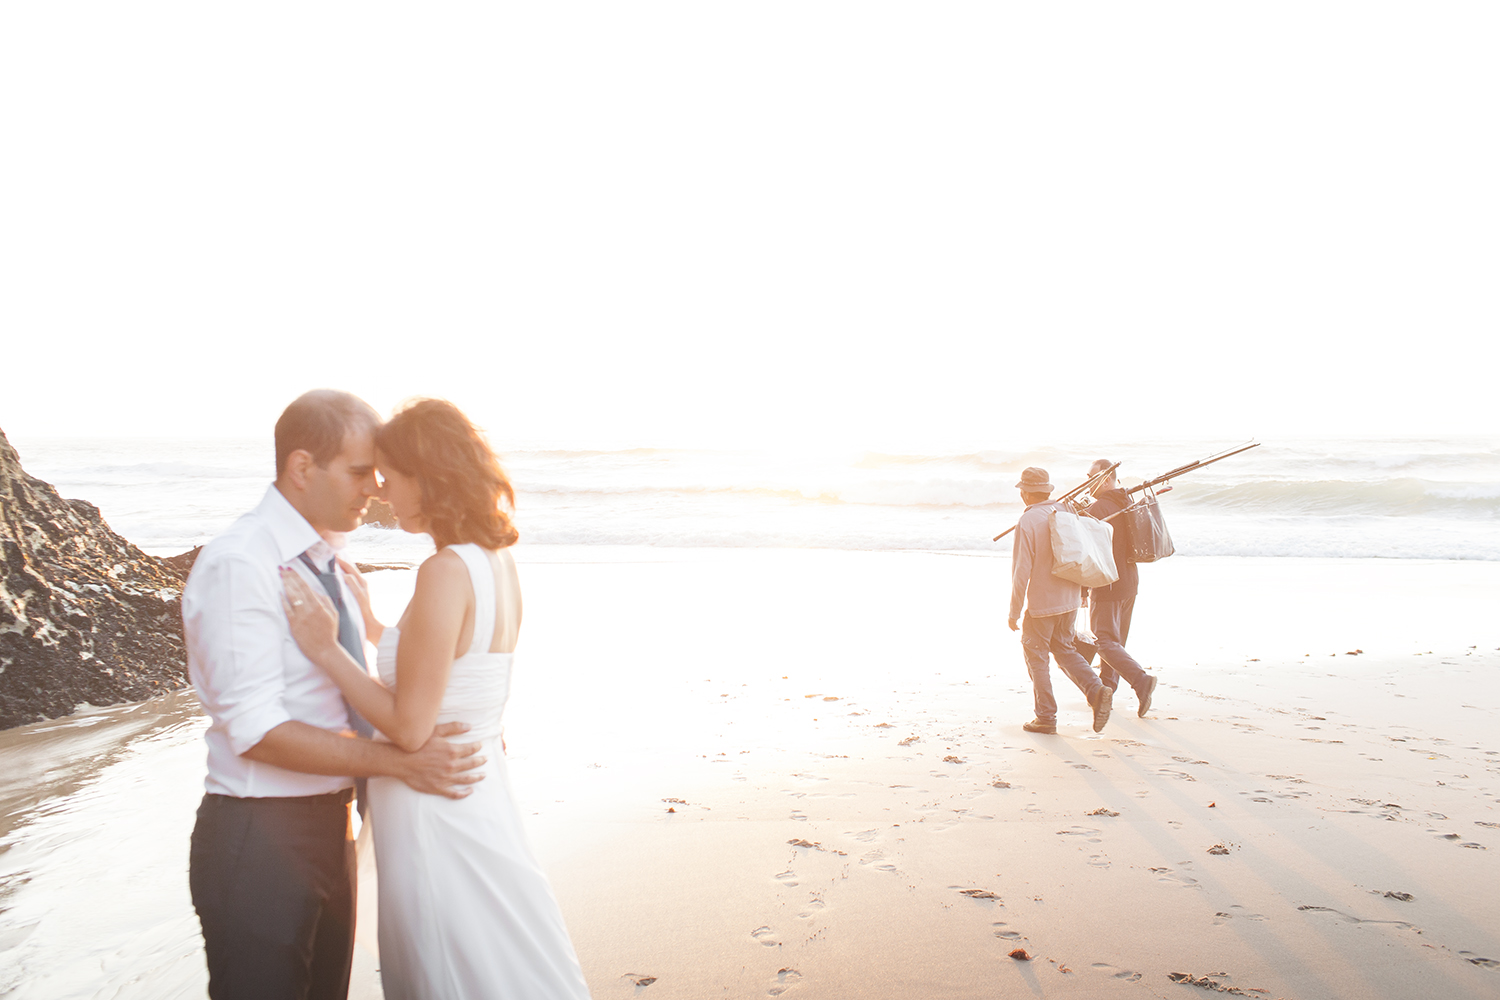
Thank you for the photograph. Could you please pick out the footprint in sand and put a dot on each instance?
(814, 904)
(766, 937)
(1005, 932)
(800, 816)
(1098, 861)
(1129, 975)
(866, 836)
(1456, 838)
(1349, 918)
(787, 878)
(1174, 773)
(1080, 831)
(975, 893)
(785, 980)
(1168, 875)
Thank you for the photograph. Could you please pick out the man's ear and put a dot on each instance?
(297, 464)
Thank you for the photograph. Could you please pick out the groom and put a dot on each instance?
(272, 866)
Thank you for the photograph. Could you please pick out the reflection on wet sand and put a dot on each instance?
(95, 813)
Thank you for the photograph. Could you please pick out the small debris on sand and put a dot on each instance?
(1020, 955)
(1101, 811)
(997, 783)
(1213, 805)
(671, 809)
(805, 843)
(978, 894)
(1218, 849)
(1205, 983)
(908, 741)
(950, 759)
(681, 802)
(638, 980)
(831, 697)
(1404, 897)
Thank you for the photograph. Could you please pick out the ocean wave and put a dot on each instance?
(1403, 496)
(1385, 497)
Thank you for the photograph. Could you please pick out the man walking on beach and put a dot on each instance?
(272, 867)
(1051, 605)
(1110, 607)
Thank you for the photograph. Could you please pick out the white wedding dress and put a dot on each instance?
(465, 913)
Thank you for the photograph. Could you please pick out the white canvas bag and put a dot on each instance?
(1082, 549)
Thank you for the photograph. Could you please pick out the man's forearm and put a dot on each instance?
(296, 746)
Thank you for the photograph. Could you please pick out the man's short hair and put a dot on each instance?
(318, 421)
(1100, 464)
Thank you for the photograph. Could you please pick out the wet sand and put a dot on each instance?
(762, 773)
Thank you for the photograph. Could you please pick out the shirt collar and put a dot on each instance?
(292, 532)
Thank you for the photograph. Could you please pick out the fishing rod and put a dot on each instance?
(1210, 460)
(1088, 483)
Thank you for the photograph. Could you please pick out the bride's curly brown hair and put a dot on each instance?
(461, 479)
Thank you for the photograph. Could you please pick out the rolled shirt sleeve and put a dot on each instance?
(236, 628)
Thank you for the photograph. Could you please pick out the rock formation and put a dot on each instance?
(85, 616)
(380, 514)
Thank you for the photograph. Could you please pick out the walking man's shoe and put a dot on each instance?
(1038, 726)
(1145, 696)
(1103, 699)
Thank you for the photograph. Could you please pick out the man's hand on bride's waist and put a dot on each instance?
(442, 767)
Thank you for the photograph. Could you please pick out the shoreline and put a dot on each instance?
(771, 692)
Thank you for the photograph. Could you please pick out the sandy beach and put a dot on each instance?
(772, 772)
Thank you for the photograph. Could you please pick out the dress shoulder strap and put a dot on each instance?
(482, 576)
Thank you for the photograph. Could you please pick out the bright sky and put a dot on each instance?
(670, 223)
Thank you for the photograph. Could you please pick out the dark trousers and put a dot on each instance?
(273, 881)
(1054, 635)
(1110, 622)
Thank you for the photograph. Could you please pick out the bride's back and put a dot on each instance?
(507, 603)
(479, 679)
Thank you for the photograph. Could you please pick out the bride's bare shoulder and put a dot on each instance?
(442, 569)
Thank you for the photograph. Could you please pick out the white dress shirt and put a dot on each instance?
(242, 659)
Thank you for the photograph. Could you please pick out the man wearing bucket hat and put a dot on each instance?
(1051, 605)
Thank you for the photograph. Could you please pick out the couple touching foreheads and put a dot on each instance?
(280, 636)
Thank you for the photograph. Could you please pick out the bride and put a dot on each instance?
(464, 910)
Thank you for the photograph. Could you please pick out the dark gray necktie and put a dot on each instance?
(352, 638)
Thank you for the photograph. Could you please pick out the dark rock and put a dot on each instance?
(85, 616)
(380, 514)
(183, 563)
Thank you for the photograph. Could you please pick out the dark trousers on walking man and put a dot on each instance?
(1110, 607)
